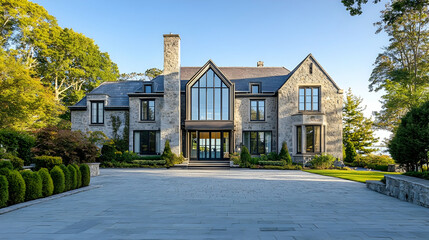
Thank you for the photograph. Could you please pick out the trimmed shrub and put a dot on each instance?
(4, 171)
(33, 185)
(73, 176)
(245, 157)
(107, 153)
(235, 158)
(67, 177)
(350, 152)
(18, 143)
(17, 162)
(273, 156)
(377, 162)
(57, 176)
(16, 187)
(272, 163)
(323, 161)
(86, 174)
(4, 191)
(47, 162)
(167, 155)
(284, 154)
(47, 183)
(423, 175)
(6, 164)
(78, 176)
(150, 162)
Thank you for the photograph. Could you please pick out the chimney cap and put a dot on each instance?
(171, 35)
(260, 64)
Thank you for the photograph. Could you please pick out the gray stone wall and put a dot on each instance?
(242, 119)
(170, 118)
(330, 115)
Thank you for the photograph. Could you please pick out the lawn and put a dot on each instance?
(358, 176)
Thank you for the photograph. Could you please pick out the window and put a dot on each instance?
(308, 99)
(148, 110)
(146, 142)
(255, 88)
(257, 142)
(147, 88)
(257, 110)
(97, 112)
(209, 98)
(313, 139)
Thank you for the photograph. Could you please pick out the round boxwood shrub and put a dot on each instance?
(78, 176)
(16, 187)
(47, 183)
(73, 176)
(33, 185)
(6, 164)
(67, 177)
(17, 162)
(86, 174)
(4, 192)
(57, 176)
(4, 171)
(47, 162)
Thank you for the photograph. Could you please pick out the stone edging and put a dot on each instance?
(41, 200)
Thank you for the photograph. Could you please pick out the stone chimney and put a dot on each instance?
(260, 64)
(170, 115)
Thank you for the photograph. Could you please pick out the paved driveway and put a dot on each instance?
(219, 204)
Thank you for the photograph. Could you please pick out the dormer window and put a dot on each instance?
(255, 88)
(148, 88)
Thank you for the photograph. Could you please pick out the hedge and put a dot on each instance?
(6, 164)
(73, 177)
(86, 174)
(272, 163)
(33, 185)
(67, 177)
(47, 183)
(4, 192)
(17, 162)
(16, 187)
(149, 162)
(58, 179)
(79, 175)
(47, 162)
(19, 143)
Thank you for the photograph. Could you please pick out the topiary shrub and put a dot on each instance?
(73, 177)
(350, 152)
(33, 185)
(6, 164)
(284, 154)
(4, 191)
(67, 177)
(4, 171)
(245, 157)
(78, 176)
(323, 161)
(86, 174)
(47, 183)
(17, 162)
(57, 176)
(47, 162)
(16, 187)
(167, 155)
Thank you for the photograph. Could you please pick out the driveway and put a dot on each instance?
(219, 204)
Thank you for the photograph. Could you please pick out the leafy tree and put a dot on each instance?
(410, 144)
(131, 76)
(399, 6)
(355, 6)
(350, 152)
(357, 128)
(152, 73)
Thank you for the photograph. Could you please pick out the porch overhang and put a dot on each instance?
(209, 125)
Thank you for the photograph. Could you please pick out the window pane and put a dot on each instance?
(315, 99)
(194, 103)
(93, 112)
(261, 108)
(152, 141)
(261, 142)
(317, 142)
(253, 110)
(217, 81)
(310, 138)
(203, 80)
(267, 142)
(301, 99)
(151, 110)
(144, 110)
(255, 88)
(137, 142)
(203, 104)
(210, 78)
(308, 99)
(253, 142)
(193, 145)
(225, 104)
(100, 113)
(299, 139)
(148, 89)
(246, 139)
(144, 141)
(209, 103)
(217, 103)
(226, 144)
(223, 85)
(158, 142)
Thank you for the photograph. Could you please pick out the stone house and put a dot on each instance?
(209, 112)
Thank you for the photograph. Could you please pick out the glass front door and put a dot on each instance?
(210, 145)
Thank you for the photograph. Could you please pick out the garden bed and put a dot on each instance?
(357, 176)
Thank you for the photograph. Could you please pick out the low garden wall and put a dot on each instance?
(405, 188)
(94, 168)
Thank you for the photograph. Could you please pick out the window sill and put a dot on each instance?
(147, 121)
(308, 154)
(96, 124)
(308, 113)
(257, 121)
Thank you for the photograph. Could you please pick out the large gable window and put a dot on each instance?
(309, 98)
(97, 112)
(209, 98)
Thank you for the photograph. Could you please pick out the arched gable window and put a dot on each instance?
(209, 98)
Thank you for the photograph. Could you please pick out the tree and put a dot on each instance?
(152, 73)
(401, 71)
(357, 128)
(355, 6)
(25, 104)
(131, 76)
(410, 144)
(245, 157)
(284, 154)
(350, 152)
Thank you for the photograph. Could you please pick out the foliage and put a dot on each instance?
(17, 162)
(128, 165)
(410, 144)
(6, 164)
(58, 179)
(97, 138)
(358, 176)
(323, 161)
(131, 76)
(401, 71)
(4, 192)
(284, 154)
(350, 152)
(245, 157)
(152, 73)
(272, 163)
(108, 152)
(149, 162)
(17, 143)
(33, 185)
(16, 187)
(78, 175)
(422, 175)
(235, 158)
(372, 161)
(71, 146)
(283, 167)
(47, 162)
(355, 6)
(357, 128)
(86, 174)
(73, 176)
(67, 177)
(120, 142)
(273, 156)
(47, 183)
(169, 157)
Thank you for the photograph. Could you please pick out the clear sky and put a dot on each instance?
(233, 33)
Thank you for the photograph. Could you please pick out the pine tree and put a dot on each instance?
(284, 154)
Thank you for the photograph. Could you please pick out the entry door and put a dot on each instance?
(210, 146)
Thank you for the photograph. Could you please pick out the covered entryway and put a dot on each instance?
(209, 145)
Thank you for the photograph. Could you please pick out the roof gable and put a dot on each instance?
(209, 65)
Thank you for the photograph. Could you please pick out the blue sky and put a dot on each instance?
(233, 33)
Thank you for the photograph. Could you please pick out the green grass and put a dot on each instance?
(358, 176)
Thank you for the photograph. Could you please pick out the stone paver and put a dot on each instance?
(219, 204)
